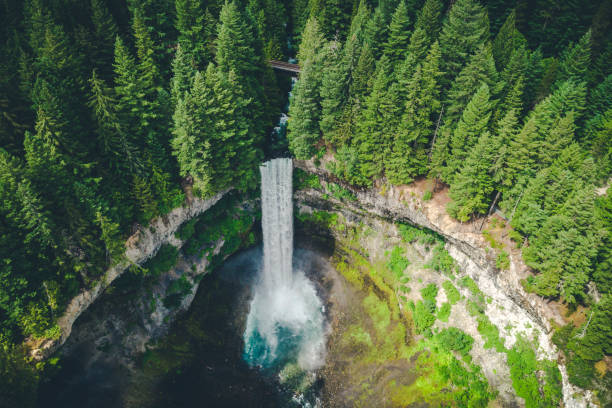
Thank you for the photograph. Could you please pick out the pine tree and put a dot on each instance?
(419, 44)
(114, 143)
(334, 89)
(105, 32)
(182, 75)
(464, 32)
(361, 76)
(377, 32)
(507, 131)
(399, 35)
(481, 68)
(196, 29)
(474, 121)
(575, 60)
(312, 42)
(472, 187)
(508, 39)
(429, 19)
(305, 112)
(409, 157)
(374, 135)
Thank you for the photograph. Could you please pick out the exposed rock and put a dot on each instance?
(512, 304)
(139, 247)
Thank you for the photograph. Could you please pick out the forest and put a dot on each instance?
(112, 112)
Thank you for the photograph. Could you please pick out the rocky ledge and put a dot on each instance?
(467, 245)
(141, 246)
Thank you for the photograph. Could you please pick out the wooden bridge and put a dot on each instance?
(285, 66)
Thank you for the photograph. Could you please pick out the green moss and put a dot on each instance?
(378, 311)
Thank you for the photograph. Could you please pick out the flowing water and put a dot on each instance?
(286, 322)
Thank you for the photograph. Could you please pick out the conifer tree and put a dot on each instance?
(474, 121)
(361, 76)
(305, 112)
(196, 30)
(312, 42)
(374, 135)
(182, 75)
(507, 130)
(429, 19)
(481, 68)
(508, 39)
(334, 88)
(409, 157)
(419, 44)
(114, 143)
(576, 60)
(464, 32)
(105, 32)
(399, 35)
(377, 32)
(472, 186)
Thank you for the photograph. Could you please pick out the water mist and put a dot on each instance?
(285, 321)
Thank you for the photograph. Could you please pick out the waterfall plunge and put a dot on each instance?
(285, 321)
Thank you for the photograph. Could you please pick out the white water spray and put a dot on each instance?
(285, 321)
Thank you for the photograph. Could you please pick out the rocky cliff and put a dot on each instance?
(141, 246)
(511, 307)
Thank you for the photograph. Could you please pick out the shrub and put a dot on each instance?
(162, 262)
(444, 312)
(340, 192)
(441, 261)
(427, 195)
(397, 263)
(455, 340)
(452, 294)
(503, 261)
(423, 317)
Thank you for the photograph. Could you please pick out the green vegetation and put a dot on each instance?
(410, 234)
(397, 262)
(452, 294)
(444, 312)
(503, 261)
(162, 262)
(441, 261)
(302, 179)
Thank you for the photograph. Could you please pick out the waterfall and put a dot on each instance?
(277, 222)
(285, 321)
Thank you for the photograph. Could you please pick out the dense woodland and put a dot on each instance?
(110, 108)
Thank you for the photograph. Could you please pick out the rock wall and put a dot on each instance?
(512, 305)
(141, 246)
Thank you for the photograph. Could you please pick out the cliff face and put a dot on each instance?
(141, 246)
(511, 307)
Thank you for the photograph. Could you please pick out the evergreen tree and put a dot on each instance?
(429, 19)
(195, 25)
(464, 32)
(334, 88)
(508, 39)
(474, 121)
(481, 69)
(472, 187)
(576, 60)
(182, 75)
(105, 32)
(376, 125)
(409, 157)
(399, 35)
(312, 42)
(305, 112)
(115, 145)
(377, 32)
